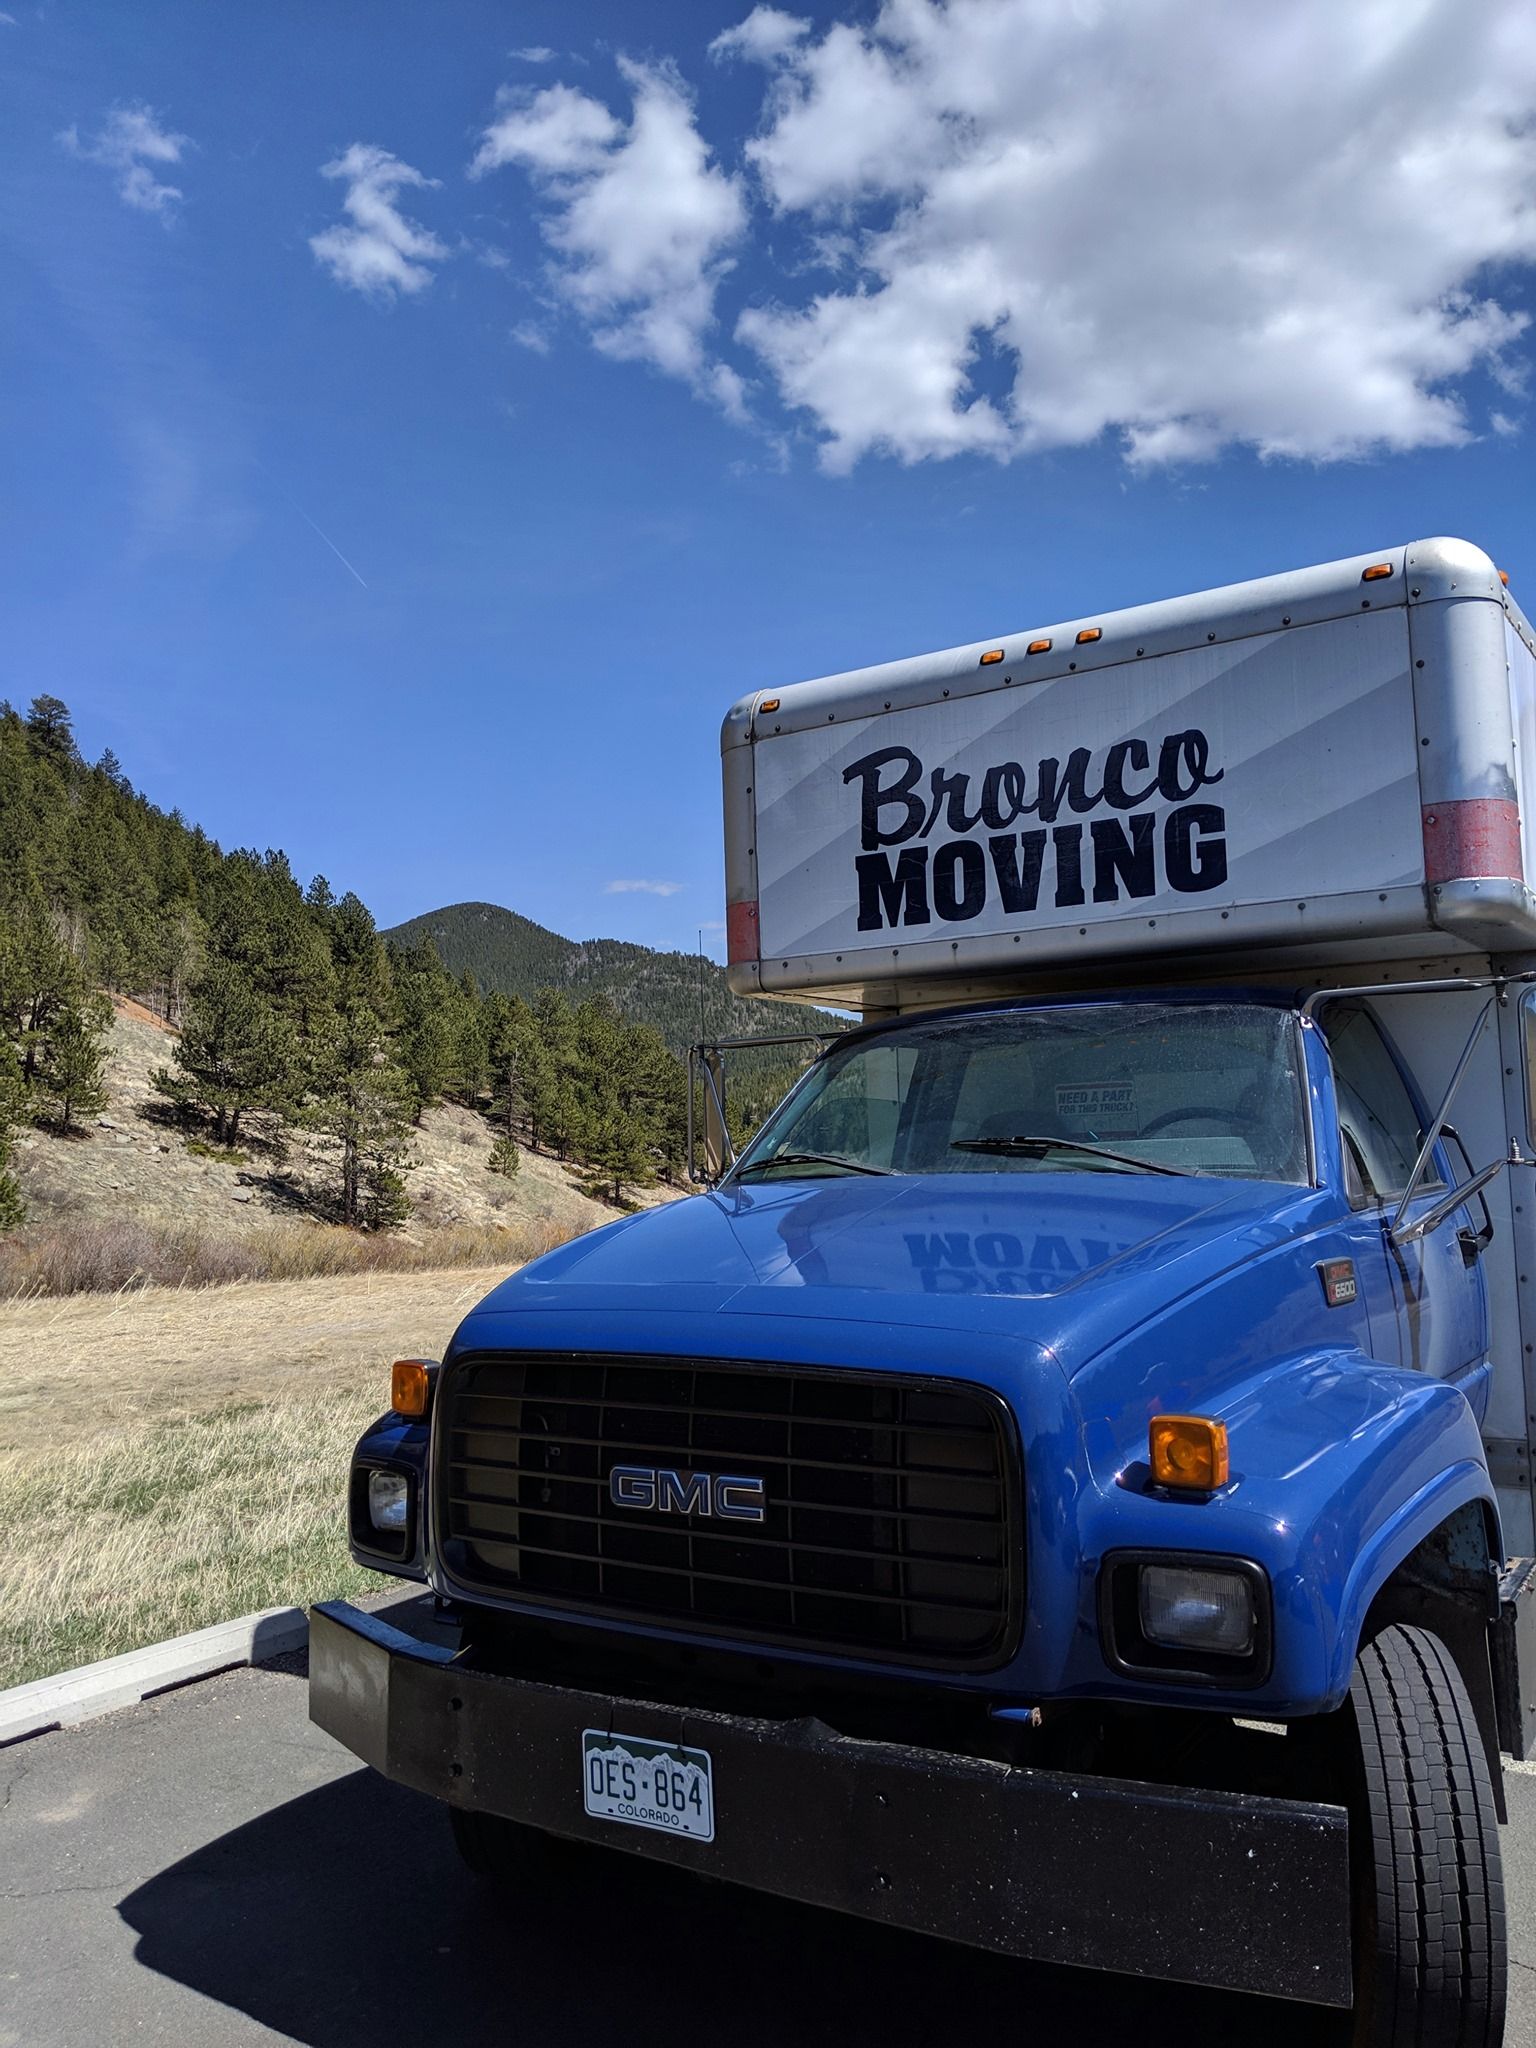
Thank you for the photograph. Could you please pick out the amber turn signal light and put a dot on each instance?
(1188, 1451)
(410, 1386)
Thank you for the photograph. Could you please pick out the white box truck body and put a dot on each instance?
(1314, 765)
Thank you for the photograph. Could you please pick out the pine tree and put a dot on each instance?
(383, 1199)
(51, 731)
(45, 983)
(615, 1085)
(470, 1059)
(72, 1060)
(15, 1108)
(508, 1029)
(358, 1095)
(426, 1045)
(616, 1147)
(556, 1107)
(363, 1101)
(236, 1053)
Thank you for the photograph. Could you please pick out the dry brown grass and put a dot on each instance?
(107, 1255)
(72, 1371)
(175, 1457)
(152, 1532)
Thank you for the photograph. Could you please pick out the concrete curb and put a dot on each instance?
(96, 1689)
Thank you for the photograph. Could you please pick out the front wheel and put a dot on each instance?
(1430, 1944)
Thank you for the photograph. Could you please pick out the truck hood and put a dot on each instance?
(1067, 1261)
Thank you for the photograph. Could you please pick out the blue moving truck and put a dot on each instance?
(1065, 1486)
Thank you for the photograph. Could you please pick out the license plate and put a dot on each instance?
(648, 1784)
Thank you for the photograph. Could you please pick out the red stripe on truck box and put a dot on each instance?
(741, 942)
(1479, 836)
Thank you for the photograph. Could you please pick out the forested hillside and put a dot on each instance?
(517, 957)
(293, 1011)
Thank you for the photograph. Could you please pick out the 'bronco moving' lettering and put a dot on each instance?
(1108, 860)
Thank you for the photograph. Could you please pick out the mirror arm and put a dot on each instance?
(716, 1094)
(1421, 1226)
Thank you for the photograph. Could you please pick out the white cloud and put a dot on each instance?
(130, 141)
(9, 21)
(534, 53)
(528, 334)
(378, 249)
(554, 133)
(639, 217)
(767, 35)
(642, 888)
(1157, 220)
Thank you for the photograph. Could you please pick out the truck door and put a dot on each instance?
(1436, 1290)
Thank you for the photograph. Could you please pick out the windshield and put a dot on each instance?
(1140, 1087)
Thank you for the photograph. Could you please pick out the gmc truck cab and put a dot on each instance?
(1054, 1490)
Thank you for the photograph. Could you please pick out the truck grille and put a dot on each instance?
(892, 1527)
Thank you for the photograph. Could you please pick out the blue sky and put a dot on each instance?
(421, 515)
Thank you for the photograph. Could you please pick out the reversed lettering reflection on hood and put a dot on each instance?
(1001, 1262)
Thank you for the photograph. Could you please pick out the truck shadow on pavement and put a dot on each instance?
(345, 1918)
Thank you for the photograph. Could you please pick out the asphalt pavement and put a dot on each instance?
(209, 1871)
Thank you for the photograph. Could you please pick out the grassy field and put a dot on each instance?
(175, 1457)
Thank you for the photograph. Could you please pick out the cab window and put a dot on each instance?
(1376, 1112)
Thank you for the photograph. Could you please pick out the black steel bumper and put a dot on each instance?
(1199, 1887)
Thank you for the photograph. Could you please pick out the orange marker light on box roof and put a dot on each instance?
(1188, 1451)
(769, 704)
(1039, 647)
(992, 654)
(410, 1386)
(1090, 633)
(1375, 572)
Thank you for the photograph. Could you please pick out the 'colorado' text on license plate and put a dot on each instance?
(649, 1784)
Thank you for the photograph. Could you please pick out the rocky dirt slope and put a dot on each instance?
(134, 1161)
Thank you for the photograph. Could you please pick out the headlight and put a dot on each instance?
(389, 1501)
(1185, 1609)
(1186, 1617)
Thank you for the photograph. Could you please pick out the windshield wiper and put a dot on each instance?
(1036, 1148)
(809, 1159)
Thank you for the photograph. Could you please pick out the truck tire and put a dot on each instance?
(509, 1855)
(1429, 1890)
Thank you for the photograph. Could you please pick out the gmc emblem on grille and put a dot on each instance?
(727, 1495)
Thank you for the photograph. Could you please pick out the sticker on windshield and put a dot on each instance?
(1098, 1109)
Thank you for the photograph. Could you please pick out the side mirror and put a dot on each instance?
(1473, 1242)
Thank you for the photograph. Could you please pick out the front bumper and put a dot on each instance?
(1199, 1887)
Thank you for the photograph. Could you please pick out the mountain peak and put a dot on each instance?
(509, 952)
